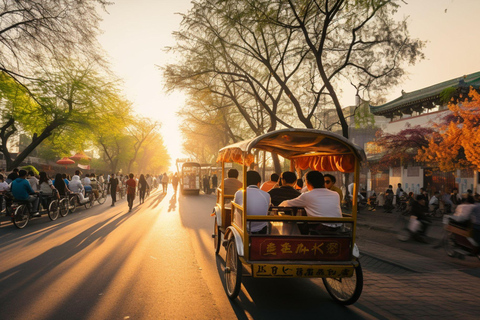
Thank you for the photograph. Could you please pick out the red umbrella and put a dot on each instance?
(80, 156)
(65, 161)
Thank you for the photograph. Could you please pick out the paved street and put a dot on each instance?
(157, 262)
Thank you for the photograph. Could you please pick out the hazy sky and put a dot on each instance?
(137, 31)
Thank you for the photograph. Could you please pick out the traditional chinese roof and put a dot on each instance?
(426, 95)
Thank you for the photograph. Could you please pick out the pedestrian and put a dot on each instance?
(214, 182)
(142, 188)
(131, 188)
(165, 182)
(113, 185)
(4, 188)
(175, 181)
(206, 184)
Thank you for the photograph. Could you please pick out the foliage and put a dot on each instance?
(456, 143)
(273, 62)
(400, 148)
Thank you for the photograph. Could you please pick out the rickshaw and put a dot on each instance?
(286, 251)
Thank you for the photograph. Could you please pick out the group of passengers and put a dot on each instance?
(315, 197)
(26, 186)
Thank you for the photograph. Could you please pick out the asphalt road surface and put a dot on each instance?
(156, 262)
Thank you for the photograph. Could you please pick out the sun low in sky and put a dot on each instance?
(137, 32)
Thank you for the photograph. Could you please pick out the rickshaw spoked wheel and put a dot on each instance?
(53, 210)
(216, 237)
(22, 216)
(346, 290)
(63, 206)
(449, 244)
(233, 270)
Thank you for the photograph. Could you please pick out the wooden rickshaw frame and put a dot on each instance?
(305, 148)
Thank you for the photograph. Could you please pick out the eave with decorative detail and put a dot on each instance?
(426, 98)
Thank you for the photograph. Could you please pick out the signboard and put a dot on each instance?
(301, 271)
(299, 248)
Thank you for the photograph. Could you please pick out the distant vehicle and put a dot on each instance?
(190, 173)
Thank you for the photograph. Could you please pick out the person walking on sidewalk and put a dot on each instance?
(131, 188)
(113, 185)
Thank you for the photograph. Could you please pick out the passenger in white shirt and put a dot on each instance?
(258, 202)
(318, 201)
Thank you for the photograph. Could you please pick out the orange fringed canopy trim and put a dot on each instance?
(235, 155)
(342, 163)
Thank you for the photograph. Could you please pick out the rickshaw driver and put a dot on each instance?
(258, 202)
(318, 201)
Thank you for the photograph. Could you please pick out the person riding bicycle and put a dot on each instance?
(46, 188)
(21, 190)
(418, 210)
(94, 185)
(76, 187)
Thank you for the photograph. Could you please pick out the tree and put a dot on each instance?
(456, 142)
(285, 56)
(68, 99)
(34, 33)
(400, 148)
(140, 131)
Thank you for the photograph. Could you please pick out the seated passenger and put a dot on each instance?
(76, 187)
(231, 185)
(21, 190)
(269, 185)
(258, 202)
(286, 191)
(318, 201)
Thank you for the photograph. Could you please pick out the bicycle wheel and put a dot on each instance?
(89, 203)
(233, 270)
(21, 216)
(53, 210)
(449, 244)
(102, 196)
(345, 290)
(63, 207)
(438, 213)
(72, 204)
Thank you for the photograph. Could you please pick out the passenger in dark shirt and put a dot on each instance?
(286, 191)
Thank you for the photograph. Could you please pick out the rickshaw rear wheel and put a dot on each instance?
(216, 237)
(449, 244)
(72, 204)
(53, 210)
(233, 270)
(22, 216)
(64, 207)
(346, 290)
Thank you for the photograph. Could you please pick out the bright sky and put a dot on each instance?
(137, 31)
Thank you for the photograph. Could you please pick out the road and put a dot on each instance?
(157, 262)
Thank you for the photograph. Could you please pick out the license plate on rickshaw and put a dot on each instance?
(301, 271)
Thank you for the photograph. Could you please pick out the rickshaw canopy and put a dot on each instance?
(308, 148)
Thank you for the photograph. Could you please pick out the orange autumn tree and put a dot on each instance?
(456, 144)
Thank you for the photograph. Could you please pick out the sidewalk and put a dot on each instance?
(403, 284)
(393, 222)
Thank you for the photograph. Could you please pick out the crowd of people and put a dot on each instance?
(41, 189)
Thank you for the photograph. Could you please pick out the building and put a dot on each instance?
(423, 107)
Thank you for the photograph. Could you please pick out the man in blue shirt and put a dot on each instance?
(21, 190)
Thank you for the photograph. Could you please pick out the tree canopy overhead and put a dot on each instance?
(284, 63)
